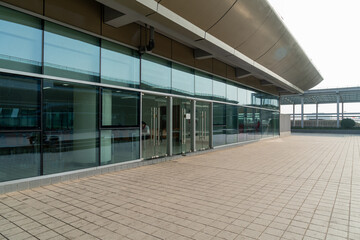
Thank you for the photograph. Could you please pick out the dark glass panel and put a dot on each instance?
(203, 85)
(231, 124)
(155, 73)
(181, 126)
(19, 102)
(20, 41)
(219, 124)
(250, 124)
(267, 123)
(242, 124)
(120, 108)
(19, 155)
(182, 81)
(119, 145)
(119, 65)
(71, 54)
(70, 126)
(276, 123)
(257, 123)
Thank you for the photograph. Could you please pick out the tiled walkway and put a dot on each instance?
(298, 187)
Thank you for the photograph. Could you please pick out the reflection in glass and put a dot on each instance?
(119, 65)
(20, 41)
(120, 108)
(231, 124)
(250, 124)
(19, 155)
(69, 53)
(182, 80)
(19, 102)
(155, 74)
(181, 126)
(219, 124)
(219, 89)
(70, 139)
(203, 85)
(119, 145)
(231, 93)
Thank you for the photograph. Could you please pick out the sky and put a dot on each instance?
(329, 32)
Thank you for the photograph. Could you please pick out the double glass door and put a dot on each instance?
(181, 126)
(154, 131)
(202, 126)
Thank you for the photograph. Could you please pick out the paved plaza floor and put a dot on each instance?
(296, 187)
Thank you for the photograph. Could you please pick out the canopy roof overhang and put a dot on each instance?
(248, 35)
(321, 96)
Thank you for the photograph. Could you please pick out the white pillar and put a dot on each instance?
(337, 111)
(317, 115)
(294, 115)
(302, 112)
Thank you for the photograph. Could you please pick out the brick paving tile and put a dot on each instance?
(297, 187)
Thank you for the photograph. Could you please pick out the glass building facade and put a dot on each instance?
(94, 102)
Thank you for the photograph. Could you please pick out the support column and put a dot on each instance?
(302, 112)
(193, 126)
(337, 111)
(169, 126)
(211, 125)
(317, 115)
(342, 110)
(294, 115)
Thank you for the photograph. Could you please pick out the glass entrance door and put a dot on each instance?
(181, 126)
(154, 134)
(202, 126)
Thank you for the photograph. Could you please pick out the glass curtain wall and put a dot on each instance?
(219, 121)
(155, 74)
(232, 130)
(20, 41)
(119, 65)
(71, 136)
(120, 126)
(71, 54)
(19, 127)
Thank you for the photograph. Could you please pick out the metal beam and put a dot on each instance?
(117, 19)
(241, 73)
(201, 54)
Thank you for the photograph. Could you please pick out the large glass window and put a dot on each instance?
(219, 89)
(231, 93)
(219, 124)
(155, 74)
(19, 103)
(203, 85)
(120, 108)
(19, 155)
(119, 65)
(71, 54)
(182, 80)
(120, 139)
(70, 138)
(242, 96)
(20, 41)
